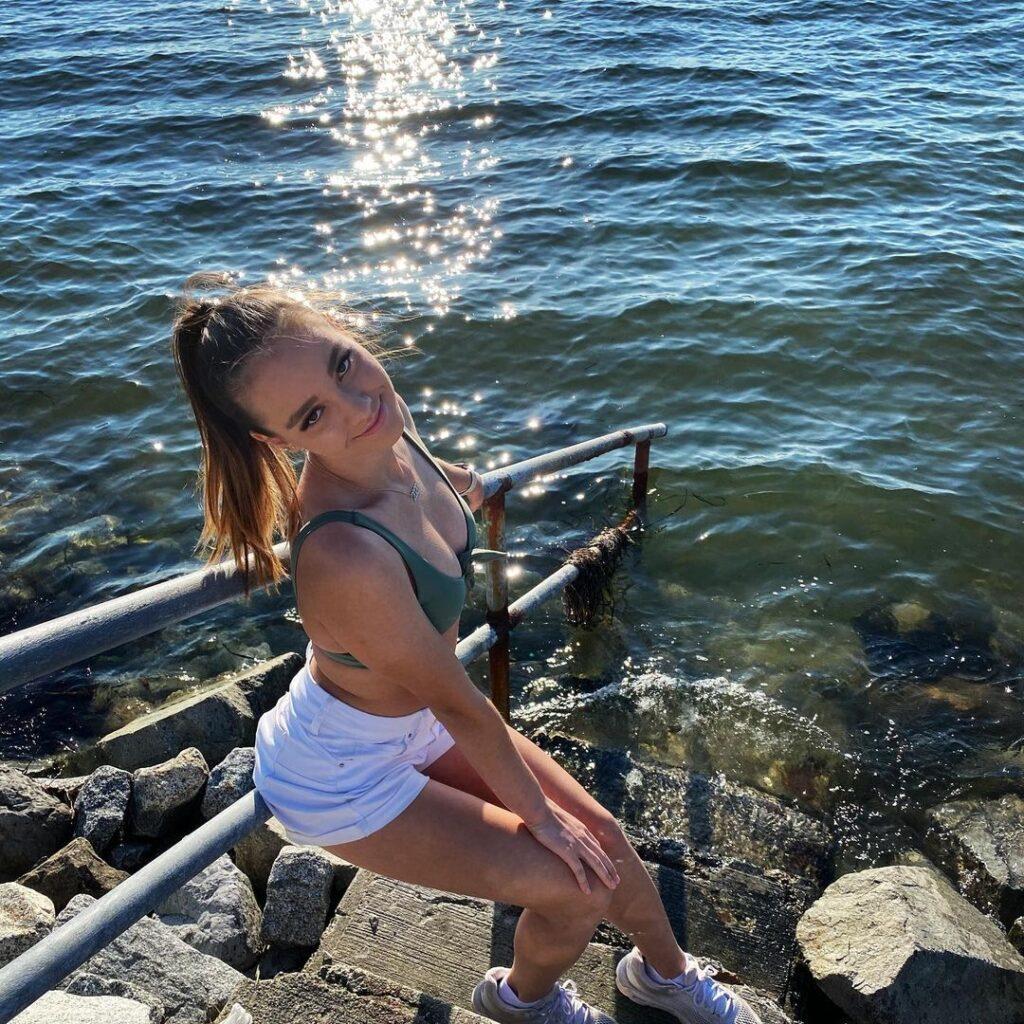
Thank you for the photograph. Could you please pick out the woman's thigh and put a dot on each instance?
(453, 840)
(455, 770)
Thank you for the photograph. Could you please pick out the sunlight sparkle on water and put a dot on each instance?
(387, 78)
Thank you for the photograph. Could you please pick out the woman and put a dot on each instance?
(383, 751)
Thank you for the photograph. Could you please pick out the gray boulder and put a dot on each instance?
(161, 794)
(71, 1009)
(981, 843)
(216, 720)
(32, 823)
(65, 788)
(192, 986)
(101, 806)
(83, 984)
(73, 869)
(229, 781)
(26, 916)
(216, 912)
(298, 897)
(898, 945)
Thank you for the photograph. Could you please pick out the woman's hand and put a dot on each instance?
(567, 836)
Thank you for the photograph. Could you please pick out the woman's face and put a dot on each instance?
(318, 390)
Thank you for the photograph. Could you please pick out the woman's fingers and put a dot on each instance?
(601, 862)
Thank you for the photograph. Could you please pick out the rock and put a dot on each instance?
(162, 794)
(216, 912)
(981, 844)
(1016, 935)
(442, 942)
(705, 812)
(896, 945)
(32, 823)
(72, 1009)
(132, 855)
(256, 853)
(83, 984)
(907, 640)
(342, 995)
(73, 869)
(215, 721)
(192, 986)
(298, 897)
(229, 781)
(26, 916)
(101, 806)
(65, 789)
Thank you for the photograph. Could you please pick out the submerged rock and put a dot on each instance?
(898, 945)
(906, 640)
(707, 813)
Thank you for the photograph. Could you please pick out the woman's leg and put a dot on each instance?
(452, 840)
(636, 907)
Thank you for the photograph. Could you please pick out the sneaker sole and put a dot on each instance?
(624, 986)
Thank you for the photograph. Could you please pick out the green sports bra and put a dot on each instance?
(440, 596)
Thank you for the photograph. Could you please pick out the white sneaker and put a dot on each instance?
(560, 1006)
(700, 1001)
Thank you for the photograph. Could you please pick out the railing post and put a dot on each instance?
(497, 602)
(640, 464)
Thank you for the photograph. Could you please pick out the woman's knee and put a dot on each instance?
(612, 839)
(567, 901)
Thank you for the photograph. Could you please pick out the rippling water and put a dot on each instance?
(792, 232)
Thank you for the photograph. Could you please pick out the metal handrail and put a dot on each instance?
(55, 956)
(71, 638)
(46, 963)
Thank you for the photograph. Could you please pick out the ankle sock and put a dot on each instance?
(506, 993)
(679, 979)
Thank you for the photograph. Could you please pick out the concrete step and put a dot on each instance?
(442, 943)
(339, 994)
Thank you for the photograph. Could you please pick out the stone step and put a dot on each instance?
(340, 994)
(442, 943)
(706, 813)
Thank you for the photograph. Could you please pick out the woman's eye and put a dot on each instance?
(345, 362)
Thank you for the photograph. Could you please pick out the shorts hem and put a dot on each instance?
(367, 825)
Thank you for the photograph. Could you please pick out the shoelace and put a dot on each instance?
(708, 992)
(566, 1007)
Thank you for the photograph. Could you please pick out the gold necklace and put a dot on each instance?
(413, 492)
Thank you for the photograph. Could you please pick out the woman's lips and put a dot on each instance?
(374, 426)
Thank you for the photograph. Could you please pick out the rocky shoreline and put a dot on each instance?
(274, 932)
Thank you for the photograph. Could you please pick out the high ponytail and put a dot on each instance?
(248, 488)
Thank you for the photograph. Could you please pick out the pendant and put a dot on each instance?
(415, 492)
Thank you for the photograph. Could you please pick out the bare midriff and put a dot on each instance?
(389, 700)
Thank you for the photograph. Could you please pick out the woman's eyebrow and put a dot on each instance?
(332, 362)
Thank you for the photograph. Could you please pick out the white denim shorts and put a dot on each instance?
(331, 773)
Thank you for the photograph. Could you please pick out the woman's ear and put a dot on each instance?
(277, 442)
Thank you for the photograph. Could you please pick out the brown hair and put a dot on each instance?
(248, 487)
